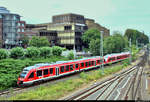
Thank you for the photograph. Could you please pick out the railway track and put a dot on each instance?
(102, 88)
(111, 88)
(134, 89)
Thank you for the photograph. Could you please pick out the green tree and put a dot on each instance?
(136, 35)
(94, 47)
(39, 41)
(3, 54)
(44, 42)
(17, 52)
(56, 50)
(32, 52)
(71, 55)
(91, 34)
(45, 52)
(25, 40)
(115, 43)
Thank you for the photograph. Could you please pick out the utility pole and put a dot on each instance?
(136, 43)
(74, 48)
(130, 52)
(101, 51)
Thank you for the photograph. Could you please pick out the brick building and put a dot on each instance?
(91, 24)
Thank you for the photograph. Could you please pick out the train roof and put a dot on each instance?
(115, 54)
(58, 62)
(61, 62)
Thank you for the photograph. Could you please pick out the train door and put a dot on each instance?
(31, 76)
(57, 71)
(79, 66)
(39, 74)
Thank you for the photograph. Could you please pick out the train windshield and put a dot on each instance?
(23, 74)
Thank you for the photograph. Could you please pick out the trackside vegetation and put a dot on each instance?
(60, 89)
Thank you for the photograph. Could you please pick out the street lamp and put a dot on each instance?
(130, 52)
(137, 42)
(101, 51)
(74, 48)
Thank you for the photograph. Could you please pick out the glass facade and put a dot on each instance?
(10, 29)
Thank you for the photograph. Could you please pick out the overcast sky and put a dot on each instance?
(113, 14)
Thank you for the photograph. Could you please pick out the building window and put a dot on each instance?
(22, 30)
(15, 18)
(22, 24)
(18, 30)
(18, 24)
(67, 27)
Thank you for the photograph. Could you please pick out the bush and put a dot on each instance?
(3, 54)
(45, 52)
(56, 50)
(17, 52)
(39, 41)
(64, 49)
(70, 56)
(32, 52)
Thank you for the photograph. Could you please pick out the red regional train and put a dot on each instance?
(46, 71)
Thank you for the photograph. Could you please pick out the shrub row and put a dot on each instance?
(31, 52)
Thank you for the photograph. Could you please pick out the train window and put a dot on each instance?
(71, 67)
(62, 68)
(77, 66)
(23, 74)
(113, 58)
(89, 63)
(51, 70)
(39, 73)
(86, 64)
(92, 63)
(101, 60)
(67, 68)
(82, 64)
(31, 75)
(45, 71)
(98, 61)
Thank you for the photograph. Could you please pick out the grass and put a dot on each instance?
(60, 89)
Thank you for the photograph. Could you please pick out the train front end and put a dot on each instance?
(22, 78)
